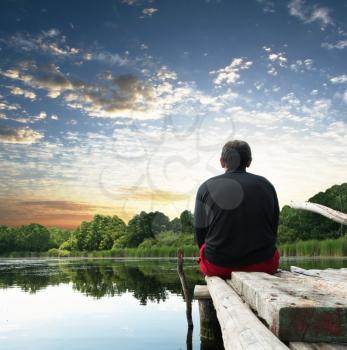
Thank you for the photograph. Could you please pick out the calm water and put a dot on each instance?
(101, 304)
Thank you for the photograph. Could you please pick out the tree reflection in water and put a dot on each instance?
(147, 281)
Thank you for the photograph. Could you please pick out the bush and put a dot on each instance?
(59, 253)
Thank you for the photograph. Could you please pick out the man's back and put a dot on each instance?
(236, 215)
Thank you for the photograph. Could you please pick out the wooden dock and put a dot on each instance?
(298, 310)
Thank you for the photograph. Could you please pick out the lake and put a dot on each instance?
(102, 303)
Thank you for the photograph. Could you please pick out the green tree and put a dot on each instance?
(187, 221)
(58, 236)
(100, 233)
(33, 237)
(7, 239)
(175, 225)
(303, 225)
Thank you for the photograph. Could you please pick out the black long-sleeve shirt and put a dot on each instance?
(236, 215)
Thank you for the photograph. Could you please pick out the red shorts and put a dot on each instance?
(209, 269)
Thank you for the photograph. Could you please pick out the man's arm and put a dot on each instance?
(200, 219)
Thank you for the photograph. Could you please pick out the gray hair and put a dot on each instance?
(236, 154)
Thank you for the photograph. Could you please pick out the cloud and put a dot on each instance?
(9, 107)
(164, 74)
(19, 135)
(231, 73)
(54, 213)
(272, 71)
(149, 11)
(147, 194)
(15, 90)
(60, 205)
(126, 95)
(318, 109)
(29, 119)
(50, 41)
(339, 79)
(344, 97)
(130, 2)
(48, 77)
(341, 44)
(302, 65)
(106, 57)
(309, 13)
(268, 5)
(279, 58)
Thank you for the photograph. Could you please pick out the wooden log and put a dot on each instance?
(201, 292)
(332, 214)
(294, 311)
(316, 346)
(209, 326)
(185, 289)
(241, 329)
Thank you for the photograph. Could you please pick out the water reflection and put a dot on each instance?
(92, 304)
(148, 281)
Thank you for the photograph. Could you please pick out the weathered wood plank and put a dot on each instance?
(241, 329)
(335, 287)
(201, 292)
(294, 311)
(316, 346)
(332, 214)
(328, 274)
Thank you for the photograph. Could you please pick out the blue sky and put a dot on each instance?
(121, 106)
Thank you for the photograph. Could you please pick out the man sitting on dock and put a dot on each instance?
(236, 218)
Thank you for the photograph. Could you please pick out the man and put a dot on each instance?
(236, 218)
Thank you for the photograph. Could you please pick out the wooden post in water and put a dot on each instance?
(210, 332)
(187, 298)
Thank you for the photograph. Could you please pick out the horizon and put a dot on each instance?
(121, 106)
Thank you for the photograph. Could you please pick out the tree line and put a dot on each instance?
(300, 225)
(146, 230)
(102, 233)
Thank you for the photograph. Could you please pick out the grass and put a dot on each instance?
(163, 251)
(316, 248)
(311, 248)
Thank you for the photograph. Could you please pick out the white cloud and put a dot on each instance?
(165, 74)
(309, 13)
(15, 90)
(9, 107)
(344, 96)
(339, 79)
(279, 58)
(19, 135)
(318, 109)
(302, 65)
(268, 5)
(48, 77)
(341, 44)
(231, 73)
(272, 71)
(50, 41)
(106, 57)
(149, 11)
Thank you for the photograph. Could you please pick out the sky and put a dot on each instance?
(114, 107)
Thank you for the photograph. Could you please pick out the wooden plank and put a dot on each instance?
(328, 274)
(335, 287)
(316, 346)
(332, 214)
(201, 292)
(294, 311)
(241, 329)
